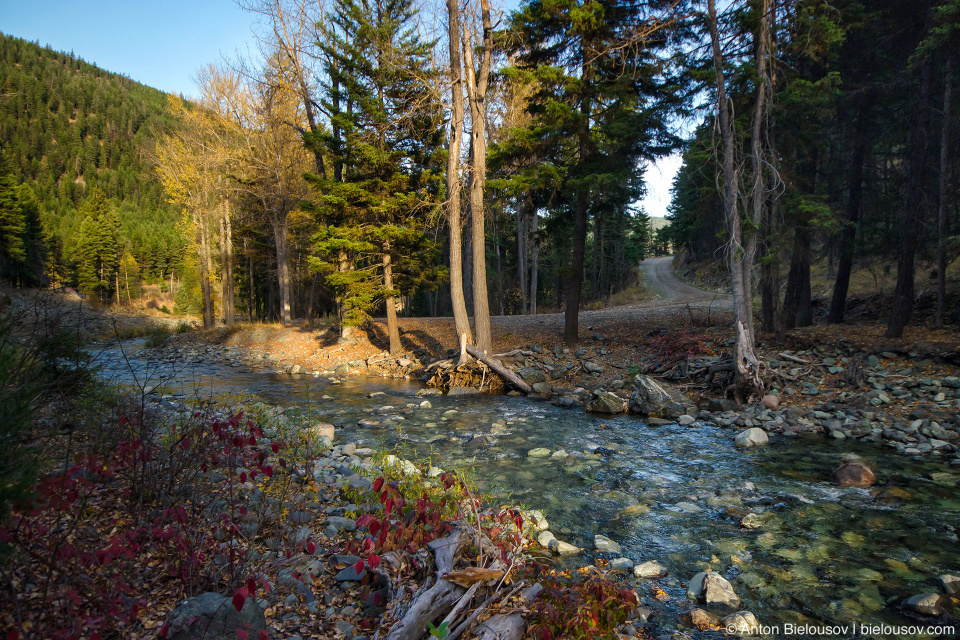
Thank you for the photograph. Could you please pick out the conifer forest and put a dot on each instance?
(393, 157)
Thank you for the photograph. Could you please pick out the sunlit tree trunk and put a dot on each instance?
(393, 330)
(477, 80)
(454, 213)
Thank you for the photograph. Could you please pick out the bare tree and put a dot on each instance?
(460, 318)
(743, 242)
(477, 82)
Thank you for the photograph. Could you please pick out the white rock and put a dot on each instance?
(753, 437)
(603, 543)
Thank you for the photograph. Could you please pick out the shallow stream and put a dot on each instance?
(820, 555)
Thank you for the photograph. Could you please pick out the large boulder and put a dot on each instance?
(212, 616)
(532, 375)
(607, 402)
(926, 604)
(753, 437)
(854, 474)
(711, 589)
(653, 398)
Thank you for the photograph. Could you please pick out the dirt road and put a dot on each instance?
(659, 276)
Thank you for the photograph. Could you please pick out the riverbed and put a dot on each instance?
(813, 553)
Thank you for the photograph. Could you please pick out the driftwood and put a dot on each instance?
(507, 375)
(502, 626)
(438, 599)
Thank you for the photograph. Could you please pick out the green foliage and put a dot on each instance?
(36, 368)
(386, 151)
(67, 129)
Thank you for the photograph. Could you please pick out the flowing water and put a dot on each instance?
(820, 555)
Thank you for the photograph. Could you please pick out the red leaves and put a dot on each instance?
(378, 484)
(275, 447)
(239, 598)
(359, 566)
(311, 547)
(268, 470)
(373, 560)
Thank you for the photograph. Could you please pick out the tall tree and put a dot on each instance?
(454, 142)
(478, 78)
(742, 243)
(600, 103)
(387, 143)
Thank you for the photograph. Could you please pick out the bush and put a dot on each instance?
(579, 606)
(40, 364)
(175, 511)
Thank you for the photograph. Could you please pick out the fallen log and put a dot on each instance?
(436, 601)
(507, 375)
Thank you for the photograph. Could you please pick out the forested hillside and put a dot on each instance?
(77, 144)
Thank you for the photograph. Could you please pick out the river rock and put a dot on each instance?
(547, 539)
(771, 402)
(342, 369)
(532, 375)
(710, 588)
(462, 391)
(609, 403)
(212, 616)
(950, 584)
(700, 619)
(621, 564)
(649, 569)
(854, 474)
(323, 432)
(543, 389)
(603, 543)
(651, 397)
(753, 437)
(539, 452)
(927, 604)
(741, 623)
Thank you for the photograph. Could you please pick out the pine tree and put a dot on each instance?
(385, 143)
(599, 107)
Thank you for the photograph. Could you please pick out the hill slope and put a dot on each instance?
(68, 128)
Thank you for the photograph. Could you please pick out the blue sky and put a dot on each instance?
(163, 43)
(160, 43)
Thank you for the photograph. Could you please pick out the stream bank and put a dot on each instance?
(794, 546)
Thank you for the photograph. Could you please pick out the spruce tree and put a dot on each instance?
(385, 144)
(600, 107)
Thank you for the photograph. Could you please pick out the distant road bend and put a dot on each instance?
(673, 295)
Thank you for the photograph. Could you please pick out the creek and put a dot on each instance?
(818, 554)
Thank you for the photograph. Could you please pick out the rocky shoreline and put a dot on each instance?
(906, 402)
(932, 436)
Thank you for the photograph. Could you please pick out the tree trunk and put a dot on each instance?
(226, 265)
(942, 234)
(392, 329)
(458, 301)
(534, 258)
(283, 269)
(206, 269)
(522, 256)
(914, 211)
(797, 308)
(571, 320)
(477, 80)
(746, 362)
(838, 303)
